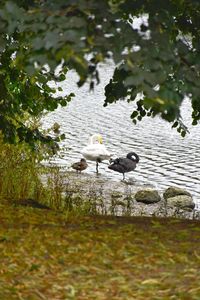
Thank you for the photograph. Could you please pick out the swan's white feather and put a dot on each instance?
(95, 150)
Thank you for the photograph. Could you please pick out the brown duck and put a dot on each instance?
(80, 166)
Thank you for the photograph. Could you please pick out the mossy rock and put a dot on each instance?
(181, 201)
(173, 191)
(118, 202)
(147, 196)
(116, 195)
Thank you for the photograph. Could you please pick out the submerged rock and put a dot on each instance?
(147, 196)
(173, 191)
(181, 201)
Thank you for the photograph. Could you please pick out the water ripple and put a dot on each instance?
(165, 158)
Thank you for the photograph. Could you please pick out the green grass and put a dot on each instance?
(51, 255)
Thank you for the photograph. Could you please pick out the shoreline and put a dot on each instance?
(117, 198)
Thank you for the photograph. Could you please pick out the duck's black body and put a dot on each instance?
(126, 164)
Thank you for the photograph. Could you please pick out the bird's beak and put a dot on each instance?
(100, 139)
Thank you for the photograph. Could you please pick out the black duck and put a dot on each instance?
(124, 165)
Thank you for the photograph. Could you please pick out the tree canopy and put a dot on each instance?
(159, 58)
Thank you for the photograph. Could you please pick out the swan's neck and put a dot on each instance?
(130, 156)
(93, 139)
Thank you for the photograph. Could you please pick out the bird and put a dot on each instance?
(124, 165)
(95, 150)
(80, 166)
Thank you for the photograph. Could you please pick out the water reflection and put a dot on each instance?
(165, 157)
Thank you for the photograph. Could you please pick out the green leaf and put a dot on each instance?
(175, 124)
(183, 133)
(134, 114)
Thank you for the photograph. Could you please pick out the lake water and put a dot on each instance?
(166, 158)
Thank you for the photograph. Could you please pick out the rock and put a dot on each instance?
(118, 202)
(117, 195)
(32, 203)
(174, 191)
(147, 196)
(181, 201)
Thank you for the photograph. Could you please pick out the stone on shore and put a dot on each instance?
(181, 201)
(173, 191)
(147, 196)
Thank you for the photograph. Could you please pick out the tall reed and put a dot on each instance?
(19, 172)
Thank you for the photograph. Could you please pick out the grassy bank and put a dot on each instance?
(49, 255)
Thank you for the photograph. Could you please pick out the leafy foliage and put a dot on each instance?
(23, 98)
(158, 58)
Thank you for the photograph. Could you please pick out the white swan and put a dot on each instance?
(95, 150)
